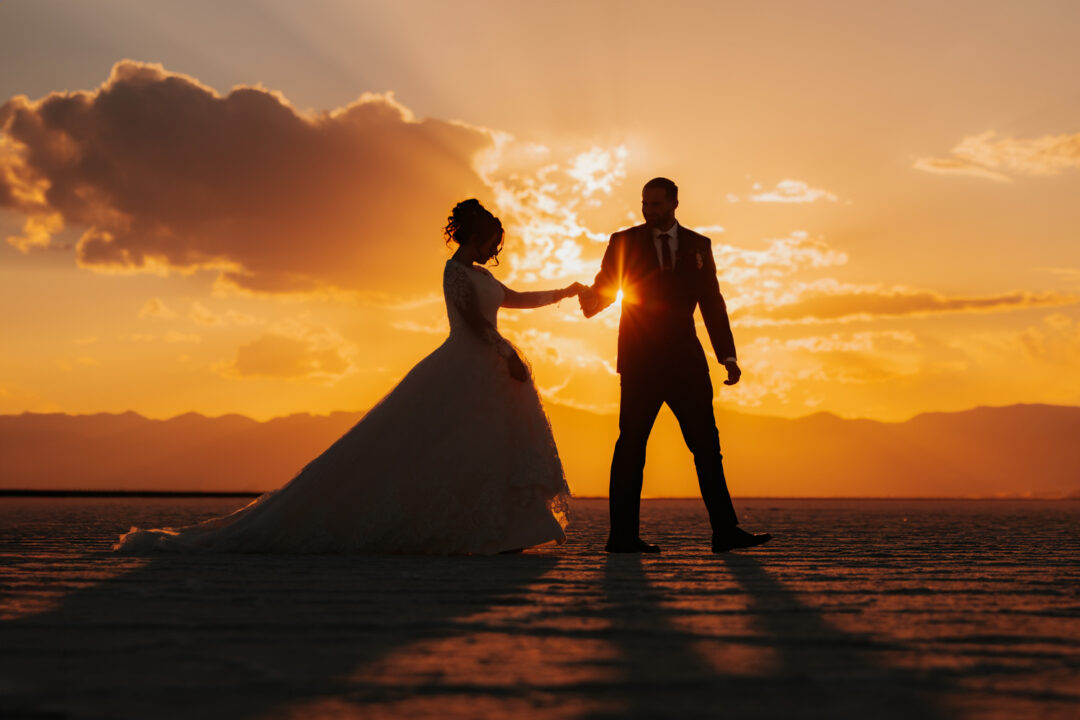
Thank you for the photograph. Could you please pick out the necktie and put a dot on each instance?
(665, 252)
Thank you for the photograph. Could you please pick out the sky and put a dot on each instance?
(237, 207)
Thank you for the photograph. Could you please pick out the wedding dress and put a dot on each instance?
(457, 459)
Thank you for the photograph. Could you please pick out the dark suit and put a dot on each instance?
(661, 361)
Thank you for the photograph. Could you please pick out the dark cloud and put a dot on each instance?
(848, 304)
(159, 169)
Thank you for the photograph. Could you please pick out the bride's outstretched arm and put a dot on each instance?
(538, 298)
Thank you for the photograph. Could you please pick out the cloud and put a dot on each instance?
(858, 358)
(803, 372)
(1033, 364)
(772, 379)
(764, 287)
(279, 356)
(790, 191)
(294, 350)
(547, 347)
(598, 171)
(543, 202)
(437, 328)
(156, 308)
(201, 315)
(37, 231)
(708, 229)
(830, 301)
(178, 337)
(163, 173)
(1055, 341)
(853, 342)
(999, 158)
(758, 270)
(957, 166)
(1069, 274)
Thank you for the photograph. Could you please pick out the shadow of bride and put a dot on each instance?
(243, 635)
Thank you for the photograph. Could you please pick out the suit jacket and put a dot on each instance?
(656, 329)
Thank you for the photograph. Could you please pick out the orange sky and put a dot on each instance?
(237, 208)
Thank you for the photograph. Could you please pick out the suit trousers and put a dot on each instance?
(689, 395)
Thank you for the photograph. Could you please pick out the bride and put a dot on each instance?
(457, 459)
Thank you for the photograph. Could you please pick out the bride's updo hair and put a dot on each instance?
(471, 221)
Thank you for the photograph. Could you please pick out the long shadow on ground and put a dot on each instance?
(241, 636)
(812, 669)
(825, 671)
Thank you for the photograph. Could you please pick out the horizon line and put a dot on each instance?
(564, 405)
(28, 492)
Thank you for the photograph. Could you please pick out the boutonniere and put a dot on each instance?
(700, 262)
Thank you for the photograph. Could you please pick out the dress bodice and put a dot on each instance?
(462, 285)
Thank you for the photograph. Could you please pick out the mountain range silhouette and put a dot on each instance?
(1014, 451)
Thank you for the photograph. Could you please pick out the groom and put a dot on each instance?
(664, 271)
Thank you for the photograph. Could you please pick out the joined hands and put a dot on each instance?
(590, 302)
(571, 290)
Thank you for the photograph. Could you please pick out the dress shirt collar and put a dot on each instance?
(672, 232)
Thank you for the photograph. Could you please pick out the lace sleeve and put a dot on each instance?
(528, 299)
(461, 292)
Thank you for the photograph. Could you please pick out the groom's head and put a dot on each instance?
(659, 198)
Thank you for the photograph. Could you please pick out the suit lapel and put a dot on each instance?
(685, 254)
(648, 248)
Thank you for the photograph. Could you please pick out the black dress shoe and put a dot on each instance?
(736, 538)
(637, 545)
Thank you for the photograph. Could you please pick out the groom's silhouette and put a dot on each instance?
(664, 271)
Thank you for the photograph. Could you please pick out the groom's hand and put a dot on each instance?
(589, 300)
(733, 372)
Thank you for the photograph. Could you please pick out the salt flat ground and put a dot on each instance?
(905, 609)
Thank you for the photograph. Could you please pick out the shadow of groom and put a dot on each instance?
(826, 671)
(695, 649)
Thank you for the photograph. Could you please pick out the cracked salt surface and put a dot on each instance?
(880, 608)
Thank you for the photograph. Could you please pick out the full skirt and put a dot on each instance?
(458, 458)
